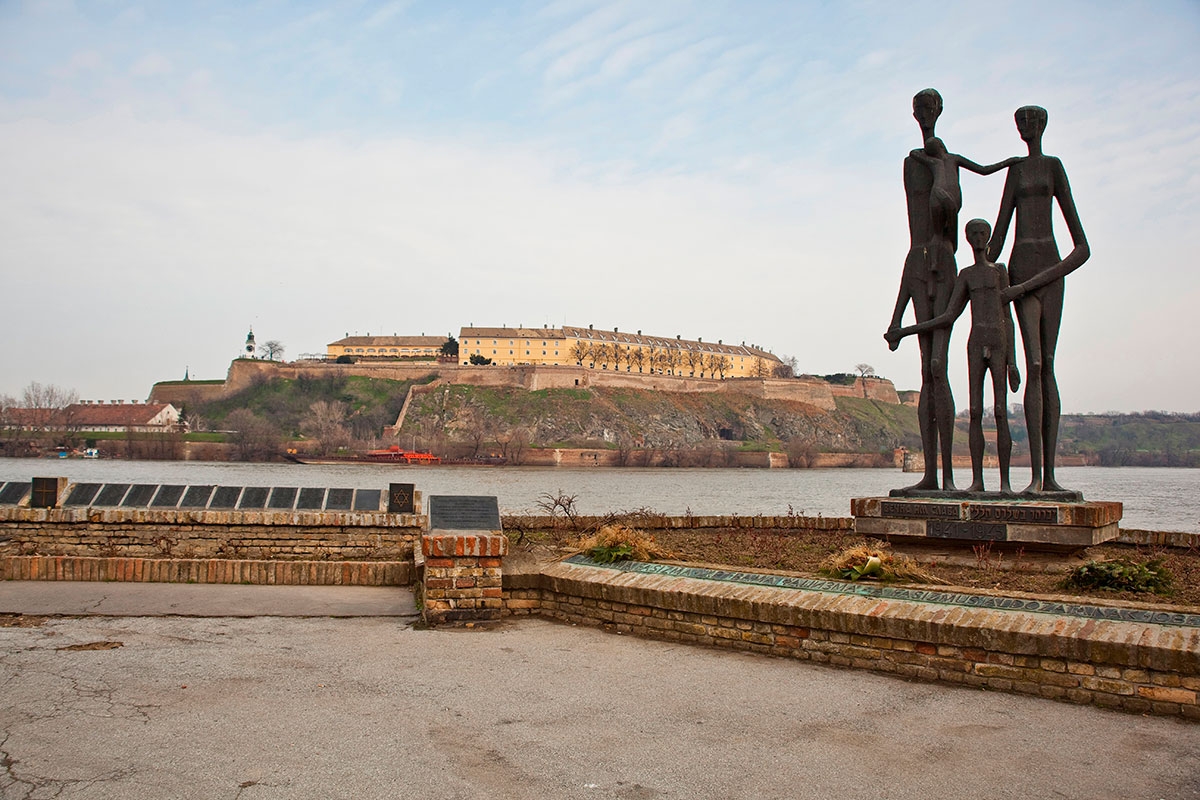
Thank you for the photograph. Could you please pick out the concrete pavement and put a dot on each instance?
(285, 707)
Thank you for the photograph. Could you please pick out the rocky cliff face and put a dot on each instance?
(559, 417)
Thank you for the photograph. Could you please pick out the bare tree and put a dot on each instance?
(579, 352)
(255, 438)
(325, 421)
(602, 354)
(695, 360)
(674, 358)
(760, 367)
(637, 358)
(619, 354)
(865, 371)
(271, 349)
(787, 368)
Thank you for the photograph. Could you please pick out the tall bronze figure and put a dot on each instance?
(934, 199)
(1037, 273)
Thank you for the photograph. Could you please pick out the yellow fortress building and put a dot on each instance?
(367, 347)
(614, 351)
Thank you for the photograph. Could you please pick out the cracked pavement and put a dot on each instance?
(276, 707)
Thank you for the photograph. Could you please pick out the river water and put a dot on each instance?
(1160, 499)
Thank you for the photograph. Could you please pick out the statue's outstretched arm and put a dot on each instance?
(967, 163)
(958, 302)
(1003, 217)
(1079, 253)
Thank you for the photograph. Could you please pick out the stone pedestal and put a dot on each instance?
(1034, 524)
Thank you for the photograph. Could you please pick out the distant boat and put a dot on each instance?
(390, 455)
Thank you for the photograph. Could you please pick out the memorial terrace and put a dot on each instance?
(615, 351)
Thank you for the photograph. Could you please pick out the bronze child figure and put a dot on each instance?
(990, 348)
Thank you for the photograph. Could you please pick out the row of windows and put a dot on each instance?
(392, 350)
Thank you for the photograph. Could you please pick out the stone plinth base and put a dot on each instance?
(1041, 524)
(461, 579)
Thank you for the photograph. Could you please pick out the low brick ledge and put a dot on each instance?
(1138, 667)
(183, 516)
(204, 570)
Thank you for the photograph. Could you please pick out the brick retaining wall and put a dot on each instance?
(1143, 668)
(196, 570)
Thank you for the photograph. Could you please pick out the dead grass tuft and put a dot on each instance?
(852, 564)
(616, 538)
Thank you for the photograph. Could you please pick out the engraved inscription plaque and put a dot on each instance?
(254, 497)
(168, 496)
(282, 498)
(339, 499)
(400, 498)
(464, 513)
(1044, 515)
(367, 499)
(13, 493)
(112, 494)
(140, 495)
(45, 493)
(975, 531)
(197, 496)
(226, 497)
(891, 508)
(83, 494)
(311, 498)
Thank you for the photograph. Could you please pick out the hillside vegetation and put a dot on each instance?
(349, 412)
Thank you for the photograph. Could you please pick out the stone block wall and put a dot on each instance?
(461, 576)
(148, 533)
(1142, 668)
(320, 547)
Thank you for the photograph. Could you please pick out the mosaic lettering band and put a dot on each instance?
(1081, 610)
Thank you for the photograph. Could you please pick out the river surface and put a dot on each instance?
(1160, 499)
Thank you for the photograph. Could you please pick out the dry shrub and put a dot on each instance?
(851, 563)
(619, 542)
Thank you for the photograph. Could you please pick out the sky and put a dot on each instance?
(177, 172)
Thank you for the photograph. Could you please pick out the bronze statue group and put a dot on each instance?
(1032, 284)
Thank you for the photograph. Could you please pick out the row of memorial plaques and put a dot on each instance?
(142, 495)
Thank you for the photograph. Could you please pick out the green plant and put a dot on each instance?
(1122, 576)
(874, 561)
(607, 554)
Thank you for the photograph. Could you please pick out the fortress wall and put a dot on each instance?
(243, 373)
(879, 389)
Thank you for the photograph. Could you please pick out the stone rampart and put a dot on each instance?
(244, 373)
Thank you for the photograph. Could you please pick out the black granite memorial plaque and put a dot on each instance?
(339, 499)
(13, 492)
(112, 494)
(254, 497)
(311, 499)
(463, 513)
(82, 494)
(367, 499)
(401, 498)
(283, 497)
(225, 497)
(974, 531)
(197, 496)
(888, 508)
(1037, 515)
(45, 493)
(140, 494)
(168, 496)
